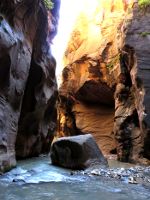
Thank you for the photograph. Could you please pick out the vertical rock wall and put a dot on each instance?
(105, 88)
(27, 79)
(137, 42)
(92, 68)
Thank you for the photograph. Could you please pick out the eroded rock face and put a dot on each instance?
(27, 79)
(92, 67)
(126, 122)
(137, 42)
(77, 152)
(105, 80)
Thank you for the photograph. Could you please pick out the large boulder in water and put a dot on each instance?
(77, 152)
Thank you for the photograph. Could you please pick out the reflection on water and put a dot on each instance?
(36, 179)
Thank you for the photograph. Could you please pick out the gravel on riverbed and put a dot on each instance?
(132, 175)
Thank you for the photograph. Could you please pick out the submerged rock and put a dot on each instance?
(77, 152)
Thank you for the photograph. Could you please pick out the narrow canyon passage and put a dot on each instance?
(102, 77)
(101, 67)
(86, 77)
(89, 74)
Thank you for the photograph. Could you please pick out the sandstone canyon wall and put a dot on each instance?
(28, 88)
(137, 43)
(105, 87)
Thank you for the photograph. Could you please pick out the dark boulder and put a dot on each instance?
(77, 152)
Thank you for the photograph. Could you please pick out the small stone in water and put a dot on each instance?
(95, 172)
(132, 180)
(71, 173)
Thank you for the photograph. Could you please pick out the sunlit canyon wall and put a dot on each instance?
(105, 87)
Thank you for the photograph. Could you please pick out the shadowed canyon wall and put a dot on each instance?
(28, 88)
(137, 58)
(105, 87)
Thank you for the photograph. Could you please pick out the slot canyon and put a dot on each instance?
(95, 81)
(104, 89)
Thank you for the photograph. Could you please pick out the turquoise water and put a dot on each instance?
(37, 179)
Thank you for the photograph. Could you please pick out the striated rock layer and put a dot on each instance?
(105, 87)
(28, 86)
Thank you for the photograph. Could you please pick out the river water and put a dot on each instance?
(37, 179)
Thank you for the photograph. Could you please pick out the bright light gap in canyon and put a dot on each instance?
(69, 11)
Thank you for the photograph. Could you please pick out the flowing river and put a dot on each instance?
(37, 179)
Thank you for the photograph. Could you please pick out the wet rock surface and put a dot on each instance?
(77, 152)
(28, 88)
